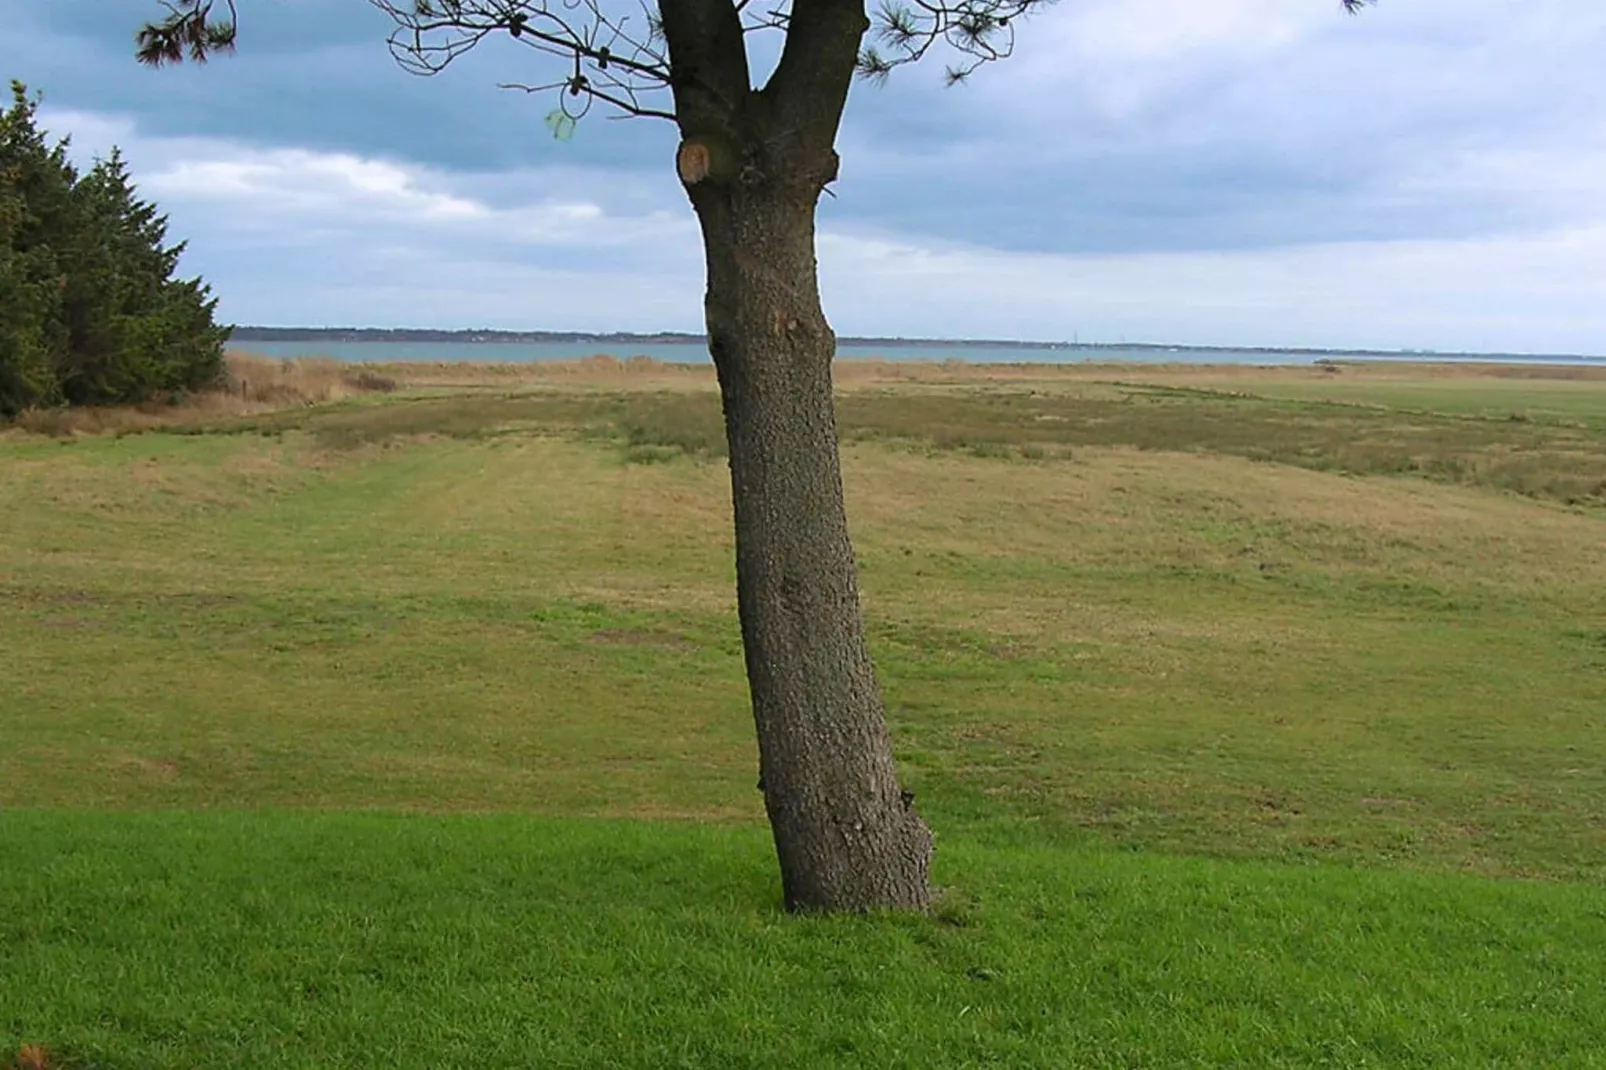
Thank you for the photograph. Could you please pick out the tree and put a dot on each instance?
(134, 331)
(92, 313)
(753, 161)
(36, 183)
(25, 373)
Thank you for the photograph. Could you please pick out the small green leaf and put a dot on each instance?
(561, 123)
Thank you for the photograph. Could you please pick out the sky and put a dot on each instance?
(1430, 174)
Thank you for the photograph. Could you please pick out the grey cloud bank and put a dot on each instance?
(1256, 172)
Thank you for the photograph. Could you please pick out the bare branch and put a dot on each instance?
(609, 58)
(624, 60)
(776, 18)
(626, 101)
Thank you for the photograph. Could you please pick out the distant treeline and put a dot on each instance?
(408, 334)
(471, 335)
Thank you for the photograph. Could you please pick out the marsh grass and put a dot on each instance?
(1551, 459)
(1155, 633)
(300, 381)
(250, 385)
(1531, 430)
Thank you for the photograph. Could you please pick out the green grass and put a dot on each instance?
(1150, 648)
(1547, 443)
(283, 939)
(1548, 399)
(1256, 728)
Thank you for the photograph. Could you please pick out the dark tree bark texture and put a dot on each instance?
(754, 164)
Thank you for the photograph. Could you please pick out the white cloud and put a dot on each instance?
(1541, 293)
(1148, 31)
(1565, 178)
(92, 134)
(295, 181)
(256, 190)
(289, 234)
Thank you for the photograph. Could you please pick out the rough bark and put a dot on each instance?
(754, 163)
(846, 835)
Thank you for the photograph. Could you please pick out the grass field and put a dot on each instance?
(290, 939)
(1261, 714)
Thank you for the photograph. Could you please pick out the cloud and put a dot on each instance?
(297, 236)
(1170, 124)
(1450, 295)
(296, 181)
(1254, 171)
(255, 189)
(1149, 31)
(312, 74)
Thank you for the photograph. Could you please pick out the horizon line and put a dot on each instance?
(672, 337)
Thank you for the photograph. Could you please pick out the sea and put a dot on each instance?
(695, 353)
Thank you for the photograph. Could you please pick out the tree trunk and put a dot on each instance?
(847, 836)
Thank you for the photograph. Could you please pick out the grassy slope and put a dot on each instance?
(1385, 649)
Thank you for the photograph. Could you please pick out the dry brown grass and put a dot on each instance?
(30, 1057)
(599, 371)
(255, 385)
(65, 423)
(305, 381)
(1390, 371)
(251, 385)
(606, 372)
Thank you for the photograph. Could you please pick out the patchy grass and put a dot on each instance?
(1247, 710)
(280, 939)
(1554, 449)
(416, 604)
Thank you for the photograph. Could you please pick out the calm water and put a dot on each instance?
(696, 354)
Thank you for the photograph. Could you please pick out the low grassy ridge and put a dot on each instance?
(1261, 714)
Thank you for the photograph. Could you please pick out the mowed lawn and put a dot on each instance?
(1261, 716)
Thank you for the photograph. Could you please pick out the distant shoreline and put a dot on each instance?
(355, 335)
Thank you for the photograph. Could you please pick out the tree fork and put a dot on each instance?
(753, 164)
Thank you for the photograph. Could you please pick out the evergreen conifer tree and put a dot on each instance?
(35, 187)
(90, 312)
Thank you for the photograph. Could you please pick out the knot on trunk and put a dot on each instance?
(714, 159)
(707, 158)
